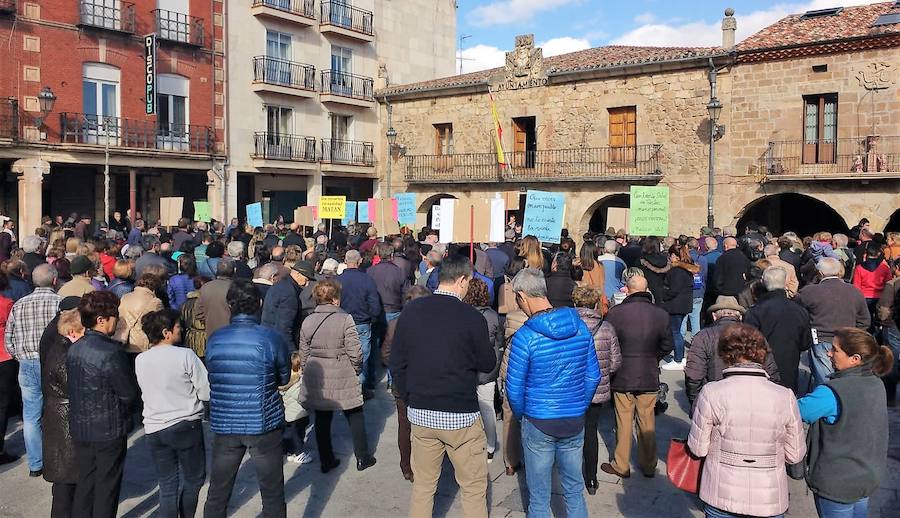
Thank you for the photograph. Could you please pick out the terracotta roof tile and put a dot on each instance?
(849, 23)
(595, 58)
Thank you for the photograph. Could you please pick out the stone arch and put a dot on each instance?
(594, 218)
(425, 206)
(893, 224)
(800, 213)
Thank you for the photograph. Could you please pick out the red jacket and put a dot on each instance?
(5, 307)
(108, 262)
(870, 281)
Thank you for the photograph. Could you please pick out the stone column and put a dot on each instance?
(230, 209)
(314, 188)
(31, 173)
(214, 193)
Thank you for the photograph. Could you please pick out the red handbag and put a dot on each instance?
(683, 468)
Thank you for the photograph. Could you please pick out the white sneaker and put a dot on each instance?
(303, 457)
(673, 366)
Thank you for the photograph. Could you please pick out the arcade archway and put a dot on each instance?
(431, 201)
(595, 217)
(802, 214)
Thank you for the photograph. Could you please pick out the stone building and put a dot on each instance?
(808, 136)
(302, 74)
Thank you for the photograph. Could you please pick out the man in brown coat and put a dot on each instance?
(212, 307)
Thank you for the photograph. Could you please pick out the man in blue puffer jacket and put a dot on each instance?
(552, 376)
(247, 363)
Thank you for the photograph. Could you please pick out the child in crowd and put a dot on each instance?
(296, 417)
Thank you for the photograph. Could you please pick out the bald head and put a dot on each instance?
(729, 243)
(711, 243)
(636, 284)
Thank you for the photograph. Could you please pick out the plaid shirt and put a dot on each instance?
(29, 317)
(435, 419)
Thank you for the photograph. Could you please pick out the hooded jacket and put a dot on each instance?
(870, 276)
(553, 368)
(655, 268)
(677, 296)
(608, 353)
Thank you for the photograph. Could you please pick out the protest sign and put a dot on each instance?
(303, 216)
(381, 213)
(254, 215)
(436, 216)
(349, 213)
(332, 207)
(201, 211)
(363, 208)
(512, 200)
(170, 210)
(472, 221)
(498, 218)
(544, 213)
(617, 218)
(406, 208)
(649, 214)
(447, 208)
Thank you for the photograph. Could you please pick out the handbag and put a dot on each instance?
(683, 468)
(506, 299)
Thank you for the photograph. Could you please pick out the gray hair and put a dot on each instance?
(267, 271)
(44, 276)
(840, 240)
(771, 249)
(30, 244)
(530, 281)
(434, 257)
(610, 246)
(774, 278)
(829, 267)
(352, 258)
(225, 268)
(330, 266)
(729, 231)
(440, 248)
(236, 249)
(134, 251)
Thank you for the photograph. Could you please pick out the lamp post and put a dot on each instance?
(714, 107)
(46, 100)
(391, 135)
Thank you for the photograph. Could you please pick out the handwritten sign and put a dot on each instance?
(254, 215)
(436, 217)
(649, 214)
(363, 208)
(201, 211)
(406, 208)
(544, 212)
(332, 207)
(349, 213)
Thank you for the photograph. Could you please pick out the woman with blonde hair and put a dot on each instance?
(530, 249)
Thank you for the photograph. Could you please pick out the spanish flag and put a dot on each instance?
(498, 133)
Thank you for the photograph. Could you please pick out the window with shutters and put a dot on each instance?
(820, 128)
(443, 139)
(623, 134)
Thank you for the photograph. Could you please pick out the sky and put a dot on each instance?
(489, 27)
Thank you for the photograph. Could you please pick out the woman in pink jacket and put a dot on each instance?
(748, 428)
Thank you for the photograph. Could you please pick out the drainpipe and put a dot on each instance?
(225, 112)
(390, 124)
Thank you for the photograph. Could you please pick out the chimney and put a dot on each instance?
(729, 27)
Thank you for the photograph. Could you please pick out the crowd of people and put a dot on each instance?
(265, 332)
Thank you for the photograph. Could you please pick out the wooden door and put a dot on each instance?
(623, 134)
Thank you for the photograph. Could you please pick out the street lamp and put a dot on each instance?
(391, 135)
(716, 132)
(46, 100)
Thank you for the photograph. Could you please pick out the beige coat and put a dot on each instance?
(514, 320)
(792, 284)
(132, 308)
(212, 307)
(331, 360)
(747, 428)
(77, 287)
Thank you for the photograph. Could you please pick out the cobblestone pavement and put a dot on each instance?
(381, 491)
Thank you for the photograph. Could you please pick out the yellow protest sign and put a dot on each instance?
(332, 207)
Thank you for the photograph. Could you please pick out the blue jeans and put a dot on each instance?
(179, 455)
(32, 402)
(694, 318)
(713, 512)
(389, 317)
(540, 451)
(831, 509)
(365, 342)
(677, 339)
(819, 362)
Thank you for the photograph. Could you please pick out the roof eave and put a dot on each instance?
(762, 50)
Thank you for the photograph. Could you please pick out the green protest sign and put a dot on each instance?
(201, 211)
(649, 212)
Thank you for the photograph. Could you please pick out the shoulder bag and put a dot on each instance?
(682, 467)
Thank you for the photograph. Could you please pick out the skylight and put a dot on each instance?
(887, 19)
(818, 13)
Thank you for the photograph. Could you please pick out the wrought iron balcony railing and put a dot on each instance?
(305, 8)
(348, 85)
(348, 17)
(835, 157)
(80, 128)
(7, 6)
(179, 27)
(9, 119)
(282, 72)
(278, 146)
(552, 165)
(347, 152)
(114, 15)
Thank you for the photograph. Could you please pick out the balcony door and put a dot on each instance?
(279, 129)
(278, 49)
(172, 113)
(341, 13)
(524, 142)
(443, 146)
(819, 129)
(100, 104)
(340, 138)
(174, 22)
(102, 13)
(341, 68)
(623, 136)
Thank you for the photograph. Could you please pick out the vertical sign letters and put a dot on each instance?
(150, 73)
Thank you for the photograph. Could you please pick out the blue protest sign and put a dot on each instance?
(349, 213)
(406, 208)
(254, 215)
(544, 213)
(362, 208)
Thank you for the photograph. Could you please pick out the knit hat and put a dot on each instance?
(80, 265)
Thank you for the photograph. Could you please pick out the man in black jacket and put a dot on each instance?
(784, 323)
(359, 297)
(282, 308)
(645, 338)
(731, 269)
(101, 395)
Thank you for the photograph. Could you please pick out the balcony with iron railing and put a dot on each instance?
(637, 163)
(342, 19)
(80, 128)
(111, 15)
(9, 119)
(281, 76)
(7, 6)
(347, 152)
(867, 157)
(179, 27)
(277, 146)
(344, 88)
(302, 12)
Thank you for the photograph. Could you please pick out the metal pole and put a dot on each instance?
(390, 110)
(132, 195)
(106, 177)
(710, 217)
